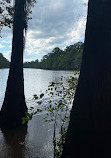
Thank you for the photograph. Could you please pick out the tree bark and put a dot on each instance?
(89, 131)
(14, 105)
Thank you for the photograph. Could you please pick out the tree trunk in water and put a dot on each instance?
(89, 131)
(14, 106)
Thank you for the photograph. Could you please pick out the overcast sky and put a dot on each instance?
(55, 23)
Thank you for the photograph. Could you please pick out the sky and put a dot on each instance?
(55, 23)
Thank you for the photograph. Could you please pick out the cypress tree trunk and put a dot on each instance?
(14, 106)
(89, 131)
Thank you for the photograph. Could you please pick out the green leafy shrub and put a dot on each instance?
(61, 95)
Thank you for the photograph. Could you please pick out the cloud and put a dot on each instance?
(6, 33)
(7, 55)
(2, 46)
(6, 41)
(77, 32)
(54, 24)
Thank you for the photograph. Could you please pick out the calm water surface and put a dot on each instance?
(34, 140)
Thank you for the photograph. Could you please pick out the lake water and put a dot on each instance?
(34, 140)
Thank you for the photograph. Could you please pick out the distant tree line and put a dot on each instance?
(69, 59)
(4, 63)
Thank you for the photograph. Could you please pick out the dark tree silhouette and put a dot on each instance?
(14, 105)
(89, 131)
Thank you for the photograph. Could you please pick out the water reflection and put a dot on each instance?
(36, 141)
(14, 142)
(35, 82)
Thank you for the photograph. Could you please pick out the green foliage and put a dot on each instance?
(69, 59)
(61, 95)
(32, 64)
(4, 63)
(7, 12)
